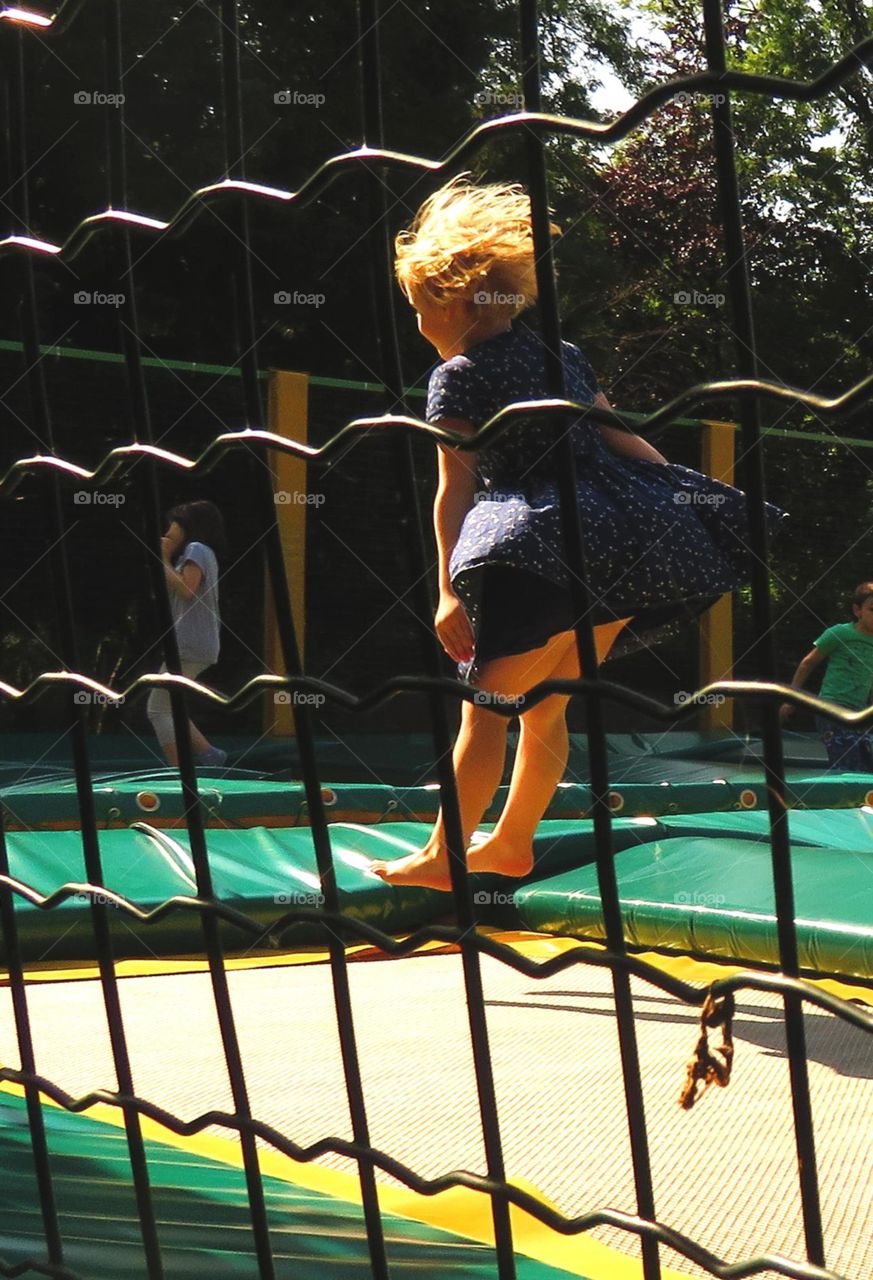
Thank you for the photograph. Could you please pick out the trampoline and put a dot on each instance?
(559, 1097)
(693, 890)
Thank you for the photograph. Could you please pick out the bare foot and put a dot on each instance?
(500, 857)
(429, 867)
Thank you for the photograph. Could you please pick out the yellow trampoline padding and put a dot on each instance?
(461, 1211)
(540, 946)
(75, 972)
(535, 946)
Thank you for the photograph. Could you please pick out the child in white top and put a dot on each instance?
(195, 533)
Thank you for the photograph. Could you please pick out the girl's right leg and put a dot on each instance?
(479, 758)
(160, 717)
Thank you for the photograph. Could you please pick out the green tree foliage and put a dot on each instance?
(805, 191)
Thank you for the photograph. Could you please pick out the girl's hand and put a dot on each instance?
(786, 710)
(453, 628)
(166, 549)
(626, 442)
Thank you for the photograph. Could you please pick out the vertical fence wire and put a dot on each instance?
(8, 920)
(582, 600)
(194, 813)
(763, 650)
(76, 713)
(240, 251)
(391, 374)
(24, 1034)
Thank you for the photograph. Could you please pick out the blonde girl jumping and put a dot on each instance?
(662, 542)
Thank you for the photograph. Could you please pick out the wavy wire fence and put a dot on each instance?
(17, 31)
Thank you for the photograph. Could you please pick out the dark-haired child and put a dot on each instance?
(189, 549)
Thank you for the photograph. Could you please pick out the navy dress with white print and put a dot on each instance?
(662, 542)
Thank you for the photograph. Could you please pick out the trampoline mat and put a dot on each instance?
(724, 1173)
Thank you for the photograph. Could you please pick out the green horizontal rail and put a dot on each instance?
(345, 384)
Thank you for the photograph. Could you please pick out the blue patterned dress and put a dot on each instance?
(662, 542)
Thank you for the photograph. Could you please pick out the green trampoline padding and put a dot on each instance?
(203, 1215)
(644, 785)
(236, 799)
(262, 872)
(690, 882)
(713, 896)
(827, 828)
(393, 757)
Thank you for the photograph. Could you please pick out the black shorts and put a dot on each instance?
(517, 611)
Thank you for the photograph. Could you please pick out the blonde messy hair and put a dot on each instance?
(472, 242)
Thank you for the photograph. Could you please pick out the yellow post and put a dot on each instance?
(717, 624)
(287, 415)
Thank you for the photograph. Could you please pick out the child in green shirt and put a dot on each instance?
(848, 650)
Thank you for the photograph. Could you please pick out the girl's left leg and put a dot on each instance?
(478, 758)
(199, 745)
(160, 714)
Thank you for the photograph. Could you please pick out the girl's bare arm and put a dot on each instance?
(807, 664)
(187, 583)
(632, 446)
(454, 496)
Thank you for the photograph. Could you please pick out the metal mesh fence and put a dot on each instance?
(49, 473)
